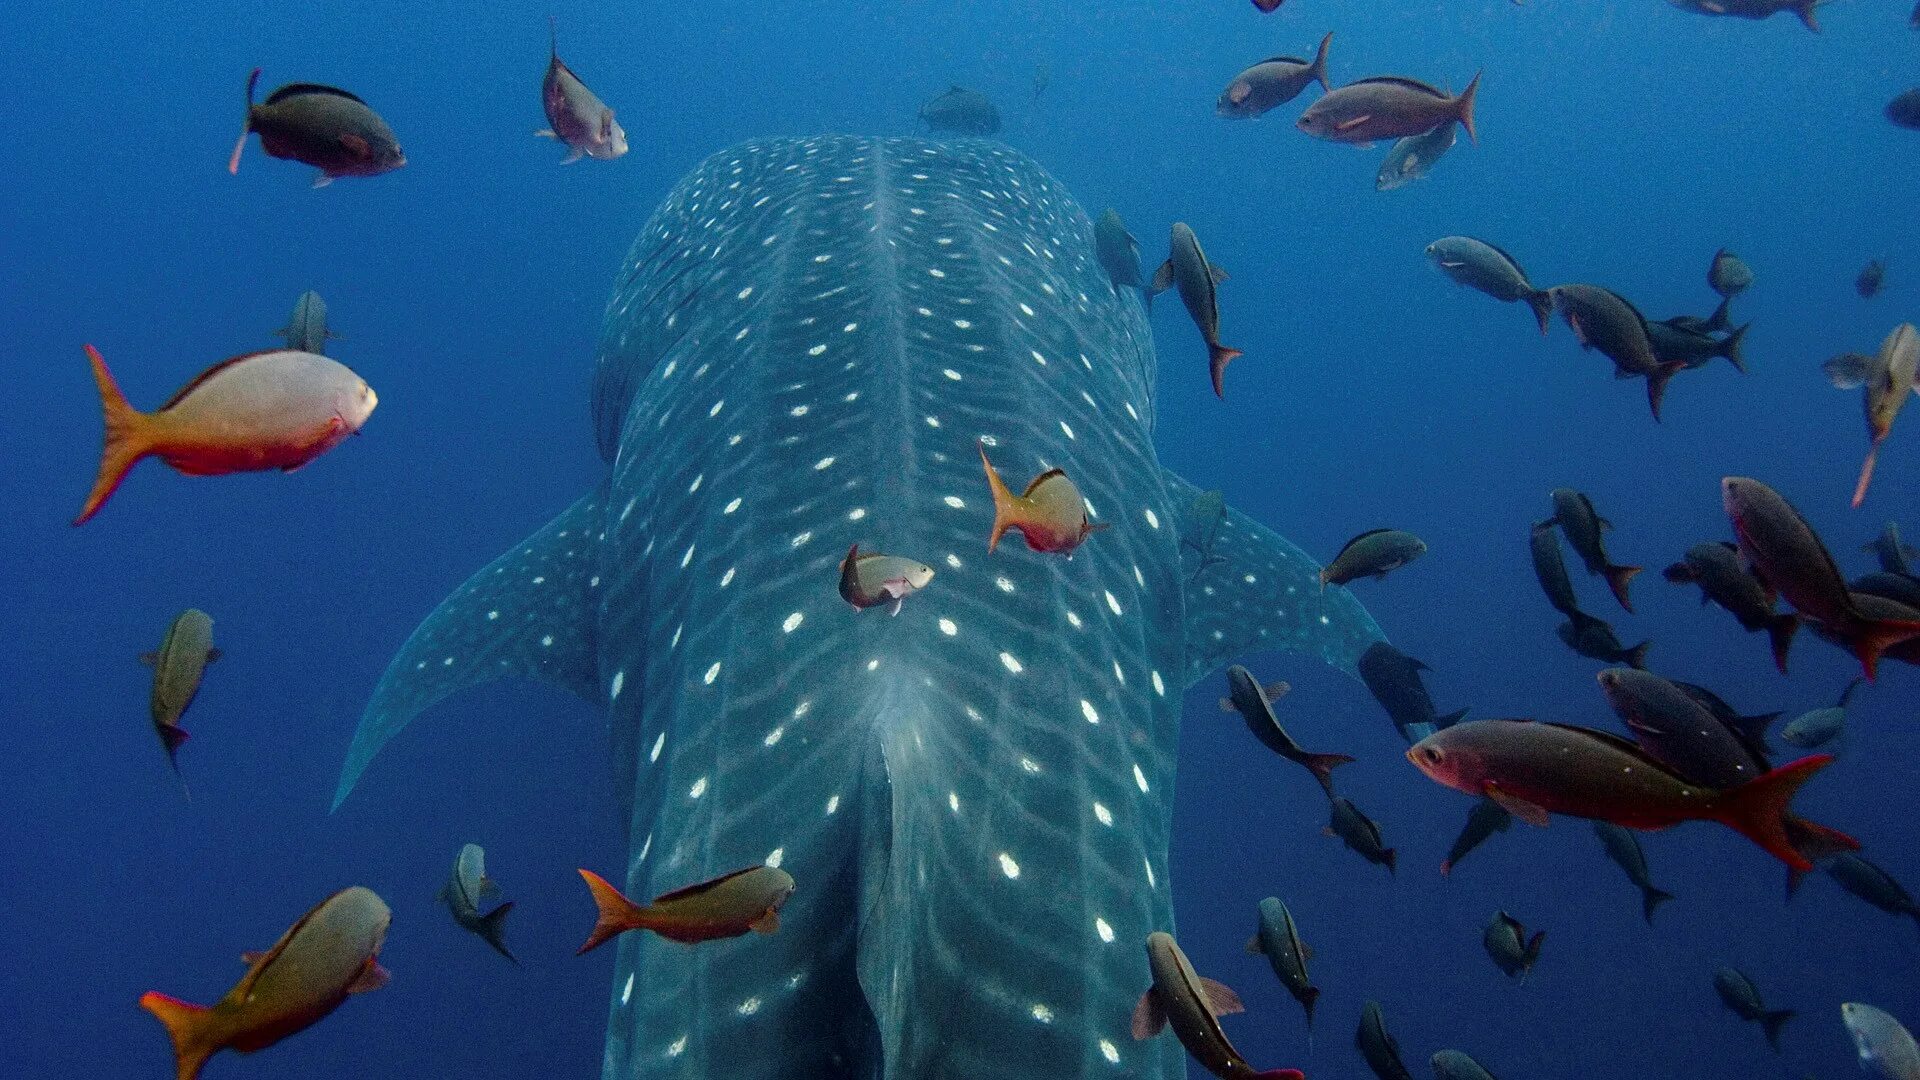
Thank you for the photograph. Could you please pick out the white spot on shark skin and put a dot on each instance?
(933, 421)
(954, 561)
(1065, 428)
(773, 737)
(540, 580)
(963, 324)
(726, 579)
(856, 513)
(1148, 863)
(492, 615)
(1109, 1051)
(1003, 584)
(776, 856)
(645, 846)
(1041, 1013)
(743, 293)
(1140, 778)
(687, 559)
(1073, 618)
(948, 628)
(797, 411)
(698, 789)
(712, 674)
(1105, 815)
(1158, 686)
(850, 328)
(695, 486)
(956, 502)
(1030, 765)
(677, 1047)
(675, 643)
(1139, 578)
(614, 687)
(1009, 867)
(1105, 931)
(667, 372)
(1153, 519)
(800, 539)
(800, 710)
(732, 506)
(793, 621)
(752, 1004)
(823, 464)
(1087, 710)
(833, 804)
(1114, 604)
(660, 741)
(1012, 665)
(1037, 358)
(626, 992)
(816, 350)
(953, 802)
(951, 374)
(547, 642)
(873, 664)
(717, 406)
(1119, 674)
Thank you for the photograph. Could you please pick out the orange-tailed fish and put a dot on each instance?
(1051, 513)
(728, 906)
(267, 410)
(1198, 280)
(330, 954)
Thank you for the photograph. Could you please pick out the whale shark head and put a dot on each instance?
(804, 348)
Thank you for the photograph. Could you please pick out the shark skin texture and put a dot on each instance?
(806, 346)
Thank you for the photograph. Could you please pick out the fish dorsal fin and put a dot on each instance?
(1050, 474)
(1526, 811)
(207, 376)
(1306, 950)
(766, 924)
(1348, 546)
(300, 89)
(1220, 998)
(701, 886)
(529, 613)
(1284, 60)
(1253, 945)
(1497, 249)
(1629, 306)
(372, 977)
(1400, 80)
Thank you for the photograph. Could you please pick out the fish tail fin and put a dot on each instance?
(1657, 380)
(1730, 348)
(1650, 899)
(1772, 1021)
(617, 913)
(1794, 878)
(1466, 108)
(1004, 508)
(1319, 68)
(187, 1024)
(1392, 860)
(1541, 301)
(1617, 579)
(493, 928)
(1218, 357)
(1720, 319)
(1876, 636)
(1441, 723)
(1322, 766)
(1866, 475)
(128, 437)
(1780, 631)
(1757, 809)
(1532, 954)
(553, 36)
(1637, 656)
(246, 126)
(1280, 1074)
(1805, 10)
(1311, 997)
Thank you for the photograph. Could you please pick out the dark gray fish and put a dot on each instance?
(1454, 1065)
(1393, 678)
(577, 116)
(1512, 950)
(1413, 157)
(1679, 339)
(1873, 275)
(1480, 265)
(1872, 884)
(1278, 939)
(1359, 832)
(1728, 275)
(323, 126)
(1272, 83)
(1550, 570)
(1374, 554)
(1740, 995)
(1486, 818)
(1818, 727)
(178, 666)
(1725, 580)
(1899, 588)
(1378, 1046)
(1596, 640)
(1623, 847)
(1255, 706)
(306, 329)
(961, 111)
(1182, 999)
(1201, 530)
(1604, 320)
(1717, 323)
(1575, 515)
(1678, 731)
(1388, 107)
(1904, 110)
(1117, 250)
(1895, 557)
(1750, 730)
(467, 887)
(1187, 268)
(1752, 9)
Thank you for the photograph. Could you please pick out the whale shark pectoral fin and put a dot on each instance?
(1254, 590)
(529, 613)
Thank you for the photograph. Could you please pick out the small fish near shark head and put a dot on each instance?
(807, 344)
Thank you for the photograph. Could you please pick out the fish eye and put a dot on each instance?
(1430, 755)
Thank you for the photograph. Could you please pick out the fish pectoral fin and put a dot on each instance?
(1349, 125)
(1149, 1019)
(356, 145)
(573, 157)
(1530, 813)
(1218, 275)
(1306, 951)
(152, 658)
(214, 654)
(322, 180)
(1221, 1000)
(253, 956)
(371, 977)
(1162, 278)
(546, 133)
(1253, 945)
(766, 924)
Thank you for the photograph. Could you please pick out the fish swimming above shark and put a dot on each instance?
(806, 347)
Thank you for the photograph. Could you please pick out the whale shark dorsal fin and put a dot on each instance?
(1254, 591)
(526, 614)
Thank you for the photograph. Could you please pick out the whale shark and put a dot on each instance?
(805, 347)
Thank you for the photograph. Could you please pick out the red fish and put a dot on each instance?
(1787, 554)
(329, 955)
(728, 906)
(1536, 769)
(266, 410)
(1051, 513)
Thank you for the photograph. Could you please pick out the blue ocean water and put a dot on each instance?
(1621, 144)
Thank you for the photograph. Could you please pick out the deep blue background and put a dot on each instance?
(1622, 143)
